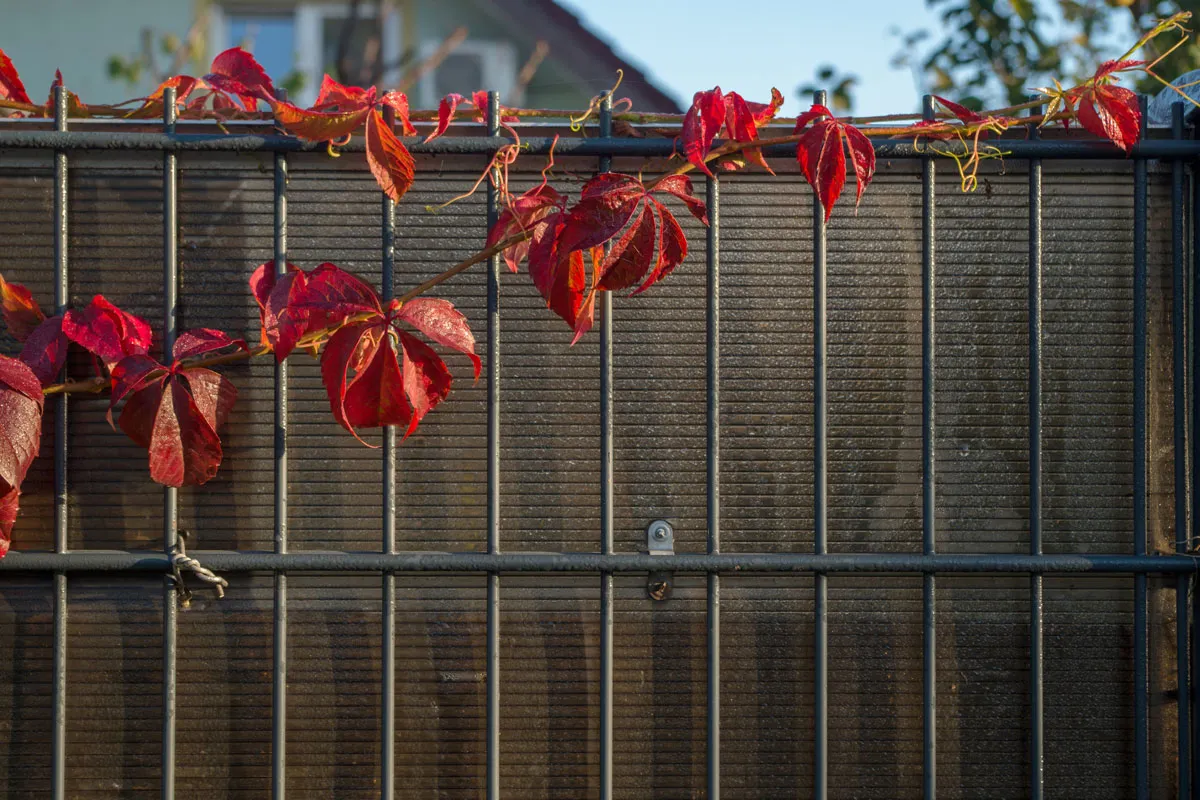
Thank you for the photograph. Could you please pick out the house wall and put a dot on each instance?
(80, 37)
(100, 30)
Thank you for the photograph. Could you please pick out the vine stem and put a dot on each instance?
(97, 385)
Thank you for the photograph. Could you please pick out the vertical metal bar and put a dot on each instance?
(713, 473)
(61, 293)
(170, 495)
(493, 480)
(820, 495)
(1179, 403)
(1194, 330)
(1141, 686)
(388, 715)
(928, 446)
(280, 628)
(1037, 716)
(606, 506)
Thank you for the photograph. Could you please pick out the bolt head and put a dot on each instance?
(660, 533)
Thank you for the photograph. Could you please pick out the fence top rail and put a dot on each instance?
(18, 137)
(729, 563)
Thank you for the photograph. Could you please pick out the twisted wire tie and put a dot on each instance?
(180, 561)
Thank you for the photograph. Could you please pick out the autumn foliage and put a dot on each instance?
(379, 361)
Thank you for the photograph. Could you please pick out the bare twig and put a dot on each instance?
(525, 76)
(448, 46)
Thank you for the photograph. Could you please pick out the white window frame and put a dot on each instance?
(499, 62)
(308, 22)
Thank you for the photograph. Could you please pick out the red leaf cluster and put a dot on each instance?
(1109, 111)
(822, 151)
(449, 106)
(340, 111)
(375, 372)
(175, 412)
(649, 242)
(236, 72)
(741, 120)
(21, 404)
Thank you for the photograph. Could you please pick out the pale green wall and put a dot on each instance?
(553, 86)
(79, 36)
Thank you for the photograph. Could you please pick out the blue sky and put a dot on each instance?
(749, 46)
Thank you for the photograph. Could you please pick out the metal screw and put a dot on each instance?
(660, 533)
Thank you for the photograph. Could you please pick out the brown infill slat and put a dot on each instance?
(550, 501)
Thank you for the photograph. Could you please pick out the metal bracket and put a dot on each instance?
(660, 541)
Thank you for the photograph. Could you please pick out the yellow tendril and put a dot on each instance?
(594, 105)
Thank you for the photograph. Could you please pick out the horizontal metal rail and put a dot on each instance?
(614, 146)
(412, 561)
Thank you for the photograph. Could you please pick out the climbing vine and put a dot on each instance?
(378, 363)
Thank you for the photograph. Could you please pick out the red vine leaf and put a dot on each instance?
(1109, 69)
(175, 412)
(446, 109)
(701, 125)
(152, 105)
(45, 350)
(332, 294)
(520, 216)
(321, 126)
(821, 152)
(235, 71)
(75, 106)
(557, 271)
(389, 160)
(765, 112)
(282, 317)
(21, 312)
(441, 322)
(650, 246)
(741, 119)
(742, 126)
(199, 341)
(480, 100)
(398, 102)
(964, 114)
(21, 403)
(1113, 113)
(334, 96)
(106, 331)
(374, 373)
(11, 87)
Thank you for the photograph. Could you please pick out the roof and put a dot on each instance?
(585, 53)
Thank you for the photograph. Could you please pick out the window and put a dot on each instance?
(304, 42)
(470, 66)
(270, 37)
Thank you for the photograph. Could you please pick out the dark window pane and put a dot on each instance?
(458, 73)
(362, 52)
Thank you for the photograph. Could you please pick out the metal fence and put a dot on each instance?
(605, 561)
